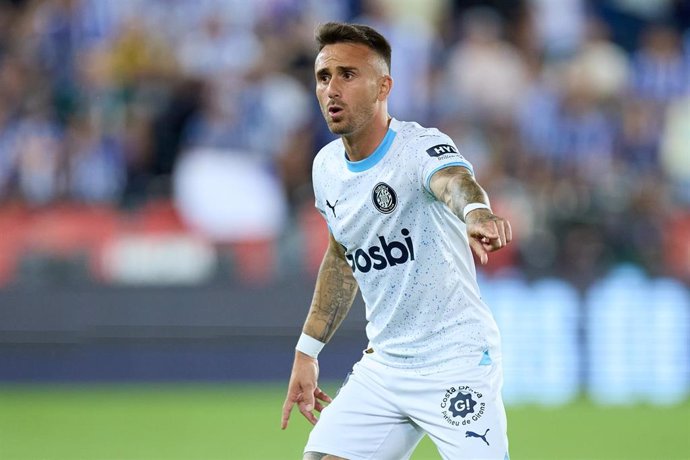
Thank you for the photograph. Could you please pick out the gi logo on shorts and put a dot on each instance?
(384, 198)
(459, 406)
(462, 405)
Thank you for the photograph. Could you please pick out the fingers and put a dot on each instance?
(505, 233)
(320, 394)
(313, 403)
(306, 402)
(489, 235)
(509, 232)
(303, 390)
(479, 250)
(501, 231)
(495, 234)
(311, 418)
(306, 406)
(287, 408)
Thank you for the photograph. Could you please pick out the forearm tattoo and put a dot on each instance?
(460, 190)
(333, 296)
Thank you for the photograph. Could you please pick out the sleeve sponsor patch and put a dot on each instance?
(441, 149)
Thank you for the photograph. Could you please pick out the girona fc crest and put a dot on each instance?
(384, 198)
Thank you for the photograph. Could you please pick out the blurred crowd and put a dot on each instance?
(575, 113)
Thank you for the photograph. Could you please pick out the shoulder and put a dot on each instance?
(426, 142)
(427, 151)
(329, 152)
(423, 139)
(327, 165)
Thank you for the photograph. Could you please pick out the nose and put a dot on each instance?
(333, 89)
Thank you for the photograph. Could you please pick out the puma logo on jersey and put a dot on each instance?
(472, 434)
(441, 149)
(388, 254)
(332, 206)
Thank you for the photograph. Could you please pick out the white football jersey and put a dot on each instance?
(408, 251)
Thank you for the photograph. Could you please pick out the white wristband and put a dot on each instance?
(472, 207)
(309, 345)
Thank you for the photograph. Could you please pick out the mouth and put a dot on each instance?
(334, 110)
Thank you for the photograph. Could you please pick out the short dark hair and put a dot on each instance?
(331, 33)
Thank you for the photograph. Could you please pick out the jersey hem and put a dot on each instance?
(436, 367)
(336, 452)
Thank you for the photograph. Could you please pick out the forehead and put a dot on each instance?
(345, 55)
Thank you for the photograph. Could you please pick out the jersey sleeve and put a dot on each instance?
(436, 152)
(319, 203)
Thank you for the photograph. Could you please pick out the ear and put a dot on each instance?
(385, 86)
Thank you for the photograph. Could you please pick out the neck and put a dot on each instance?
(359, 145)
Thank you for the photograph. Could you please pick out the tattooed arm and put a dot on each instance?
(456, 187)
(333, 296)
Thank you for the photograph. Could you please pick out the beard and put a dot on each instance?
(349, 124)
(340, 128)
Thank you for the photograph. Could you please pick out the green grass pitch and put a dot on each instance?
(242, 422)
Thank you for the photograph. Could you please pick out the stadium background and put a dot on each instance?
(158, 242)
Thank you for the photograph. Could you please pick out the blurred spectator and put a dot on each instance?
(641, 130)
(221, 120)
(280, 108)
(584, 137)
(675, 149)
(8, 17)
(252, 208)
(648, 9)
(17, 80)
(139, 54)
(95, 163)
(601, 64)
(169, 127)
(660, 70)
(575, 113)
(59, 31)
(558, 25)
(415, 43)
(39, 154)
(536, 117)
(216, 49)
(7, 153)
(486, 77)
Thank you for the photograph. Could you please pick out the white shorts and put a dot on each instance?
(381, 413)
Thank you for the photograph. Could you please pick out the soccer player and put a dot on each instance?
(404, 213)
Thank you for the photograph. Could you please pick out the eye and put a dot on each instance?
(347, 75)
(323, 78)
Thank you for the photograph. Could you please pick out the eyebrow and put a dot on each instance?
(339, 68)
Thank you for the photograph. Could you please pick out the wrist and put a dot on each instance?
(473, 207)
(309, 345)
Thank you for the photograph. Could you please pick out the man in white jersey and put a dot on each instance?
(404, 214)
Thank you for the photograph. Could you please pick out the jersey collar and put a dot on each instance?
(370, 161)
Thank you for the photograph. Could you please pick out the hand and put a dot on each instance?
(303, 390)
(487, 233)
